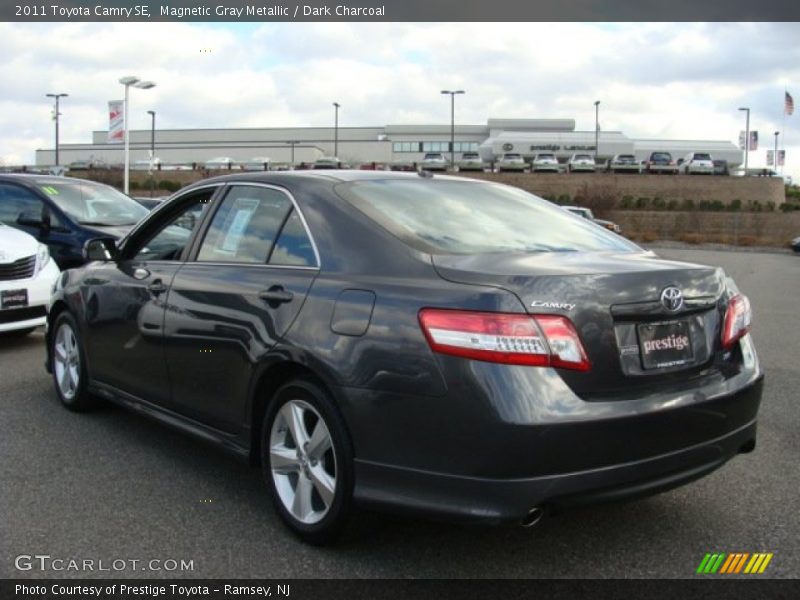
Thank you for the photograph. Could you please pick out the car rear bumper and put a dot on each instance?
(510, 500)
(497, 467)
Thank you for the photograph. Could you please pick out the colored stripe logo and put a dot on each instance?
(734, 563)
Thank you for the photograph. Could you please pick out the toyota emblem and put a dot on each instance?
(508, 147)
(672, 298)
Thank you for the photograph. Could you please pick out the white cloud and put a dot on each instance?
(683, 80)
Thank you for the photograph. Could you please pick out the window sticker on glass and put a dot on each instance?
(236, 224)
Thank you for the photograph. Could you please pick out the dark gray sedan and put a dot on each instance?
(433, 344)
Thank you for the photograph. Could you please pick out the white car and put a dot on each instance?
(220, 162)
(257, 163)
(545, 161)
(511, 161)
(434, 161)
(581, 163)
(470, 161)
(27, 275)
(327, 162)
(697, 163)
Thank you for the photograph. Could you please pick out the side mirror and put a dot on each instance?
(102, 249)
(30, 219)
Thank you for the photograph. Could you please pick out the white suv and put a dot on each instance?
(27, 275)
(697, 163)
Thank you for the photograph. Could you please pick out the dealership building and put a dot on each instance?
(387, 144)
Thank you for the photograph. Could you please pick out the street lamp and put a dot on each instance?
(775, 156)
(746, 138)
(130, 80)
(452, 125)
(596, 130)
(152, 114)
(336, 130)
(56, 114)
(293, 143)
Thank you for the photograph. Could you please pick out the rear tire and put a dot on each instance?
(69, 365)
(307, 461)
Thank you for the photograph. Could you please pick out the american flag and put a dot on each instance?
(788, 106)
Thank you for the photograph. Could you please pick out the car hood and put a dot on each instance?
(15, 244)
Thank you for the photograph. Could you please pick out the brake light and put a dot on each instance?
(513, 339)
(738, 320)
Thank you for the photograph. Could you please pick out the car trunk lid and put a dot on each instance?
(630, 335)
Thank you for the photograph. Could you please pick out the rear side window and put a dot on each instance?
(455, 217)
(257, 225)
(245, 226)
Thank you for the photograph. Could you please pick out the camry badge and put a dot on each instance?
(560, 305)
(672, 298)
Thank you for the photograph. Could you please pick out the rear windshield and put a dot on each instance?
(626, 157)
(511, 156)
(582, 157)
(470, 155)
(455, 217)
(660, 156)
(92, 203)
(701, 156)
(545, 156)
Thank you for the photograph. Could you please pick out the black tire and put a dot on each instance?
(68, 363)
(286, 479)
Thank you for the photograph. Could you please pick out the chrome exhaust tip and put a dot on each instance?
(533, 517)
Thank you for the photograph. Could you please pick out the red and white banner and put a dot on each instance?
(116, 121)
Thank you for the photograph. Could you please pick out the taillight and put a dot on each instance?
(540, 340)
(738, 319)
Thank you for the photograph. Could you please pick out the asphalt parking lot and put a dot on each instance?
(112, 485)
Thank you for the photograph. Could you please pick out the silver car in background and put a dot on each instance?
(545, 161)
(434, 161)
(511, 161)
(470, 161)
(581, 163)
(697, 163)
(623, 163)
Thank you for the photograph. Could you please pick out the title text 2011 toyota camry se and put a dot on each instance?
(447, 346)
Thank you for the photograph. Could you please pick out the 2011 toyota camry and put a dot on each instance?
(447, 346)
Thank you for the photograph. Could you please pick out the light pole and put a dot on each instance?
(452, 125)
(746, 138)
(293, 143)
(130, 80)
(152, 114)
(336, 106)
(56, 114)
(596, 130)
(775, 156)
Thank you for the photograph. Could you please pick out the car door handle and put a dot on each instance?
(276, 295)
(157, 287)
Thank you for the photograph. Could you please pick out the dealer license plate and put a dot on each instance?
(666, 344)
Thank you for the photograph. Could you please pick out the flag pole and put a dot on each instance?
(783, 134)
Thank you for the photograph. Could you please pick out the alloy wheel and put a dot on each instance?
(302, 461)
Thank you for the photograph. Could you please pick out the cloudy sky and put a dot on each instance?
(662, 80)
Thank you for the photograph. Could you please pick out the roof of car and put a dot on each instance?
(334, 175)
(39, 178)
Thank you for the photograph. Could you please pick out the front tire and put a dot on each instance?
(307, 461)
(69, 365)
